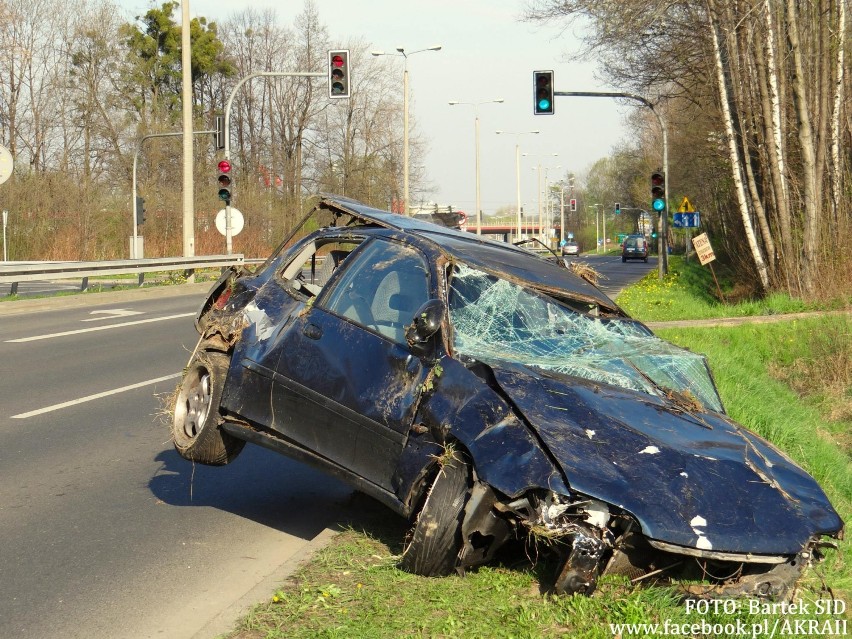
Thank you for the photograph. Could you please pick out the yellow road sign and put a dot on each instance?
(686, 206)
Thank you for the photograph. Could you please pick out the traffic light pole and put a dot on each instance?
(662, 240)
(258, 74)
(133, 255)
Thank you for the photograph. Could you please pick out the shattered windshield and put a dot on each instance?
(495, 320)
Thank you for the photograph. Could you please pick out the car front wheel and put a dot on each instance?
(195, 427)
(436, 539)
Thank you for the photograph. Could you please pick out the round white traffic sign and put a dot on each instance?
(6, 164)
(237, 222)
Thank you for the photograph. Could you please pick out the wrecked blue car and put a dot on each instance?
(490, 395)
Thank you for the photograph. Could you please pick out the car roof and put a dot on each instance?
(487, 255)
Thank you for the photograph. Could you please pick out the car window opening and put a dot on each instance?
(312, 268)
(383, 290)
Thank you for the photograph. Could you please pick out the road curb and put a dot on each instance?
(225, 621)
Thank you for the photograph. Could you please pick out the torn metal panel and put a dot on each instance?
(483, 530)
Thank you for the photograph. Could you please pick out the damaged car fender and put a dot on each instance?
(464, 409)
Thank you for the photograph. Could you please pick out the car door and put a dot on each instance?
(347, 382)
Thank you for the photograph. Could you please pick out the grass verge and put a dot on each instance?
(689, 292)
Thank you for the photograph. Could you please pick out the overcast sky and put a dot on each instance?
(488, 52)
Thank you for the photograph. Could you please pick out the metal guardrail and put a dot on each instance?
(15, 272)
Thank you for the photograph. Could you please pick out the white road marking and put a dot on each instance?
(97, 328)
(111, 313)
(89, 398)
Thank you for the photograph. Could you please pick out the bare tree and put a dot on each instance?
(776, 73)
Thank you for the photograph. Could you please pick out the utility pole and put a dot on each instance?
(188, 182)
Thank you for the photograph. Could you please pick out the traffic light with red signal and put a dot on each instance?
(225, 181)
(338, 73)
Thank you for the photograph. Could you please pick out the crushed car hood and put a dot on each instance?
(691, 479)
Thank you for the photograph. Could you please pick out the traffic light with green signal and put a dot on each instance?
(658, 191)
(543, 92)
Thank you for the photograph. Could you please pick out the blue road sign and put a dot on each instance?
(687, 220)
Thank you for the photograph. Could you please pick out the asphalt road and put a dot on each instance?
(105, 531)
(616, 275)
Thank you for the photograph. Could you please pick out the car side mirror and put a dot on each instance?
(427, 321)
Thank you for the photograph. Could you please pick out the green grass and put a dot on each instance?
(689, 292)
(353, 588)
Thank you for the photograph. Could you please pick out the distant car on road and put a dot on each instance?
(570, 248)
(635, 247)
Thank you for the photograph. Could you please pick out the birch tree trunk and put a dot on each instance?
(730, 134)
(740, 65)
(839, 90)
(810, 202)
(765, 60)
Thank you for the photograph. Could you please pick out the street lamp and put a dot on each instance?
(597, 227)
(517, 168)
(562, 188)
(540, 215)
(401, 52)
(475, 106)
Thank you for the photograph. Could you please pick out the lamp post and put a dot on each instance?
(597, 227)
(475, 106)
(402, 52)
(186, 97)
(548, 203)
(517, 169)
(540, 214)
(562, 188)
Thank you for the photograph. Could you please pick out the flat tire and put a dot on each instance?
(196, 423)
